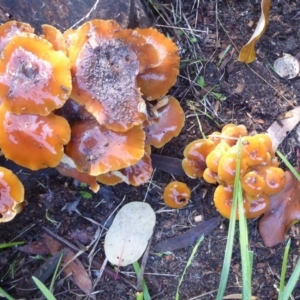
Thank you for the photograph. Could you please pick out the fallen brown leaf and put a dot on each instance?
(247, 54)
(283, 212)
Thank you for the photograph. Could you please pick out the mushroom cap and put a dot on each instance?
(33, 141)
(34, 78)
(223, 198)
(213, 159)
(274, 178)
(10, 29)
(176, 194)
(54, 36)
(252, 183)
(148, 53)
(254, 150)
(227, 165)
(258, 205)
(170, 122)
(210, 176)
(11, 195)
(232, 132)
(67, 167)
(156, 81)
(195, 154)
(97, 150)
(109, 178)
(138, 173)
(104, 71)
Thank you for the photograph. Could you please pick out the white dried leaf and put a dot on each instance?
(127, 238)
(287, 66)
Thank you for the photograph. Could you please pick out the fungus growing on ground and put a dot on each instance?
(176, 194)
(165, 126)
(11, 29)
(33, 141)
(67, 167)
(11, 195)
(156, 81)
(97, 150)
(104, 71)
(195, 155)
(34, 78)
(215, 160)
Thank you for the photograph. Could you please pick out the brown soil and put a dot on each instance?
(202, 32)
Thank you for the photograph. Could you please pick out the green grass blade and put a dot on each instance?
(2, 246)
(188, 264)
(51, 288)
(283, 269)
(43, 289)
(5, 294)
(145, 294)
(244, 246)
(231, 231)
(288, 164)
(292, 282)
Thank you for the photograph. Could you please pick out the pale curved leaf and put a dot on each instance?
(127, 238)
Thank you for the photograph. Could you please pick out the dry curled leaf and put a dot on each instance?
(279, 130)
(247, 54)
(283, 212)
(127, 238)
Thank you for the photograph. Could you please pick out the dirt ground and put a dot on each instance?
(251, 95)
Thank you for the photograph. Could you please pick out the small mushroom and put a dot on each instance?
(195, 155)
(33, 141)
(11, 195)
(252, 183)
(254, 150)
(176, 194)
(274, 178)
(34, 78)
(155, 82)
(258, 205)
(223, 198)
(169, 123)
(97, 150)
(54, 36)
(67, 167)
(232, 132)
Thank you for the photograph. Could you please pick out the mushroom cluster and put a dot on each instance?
(215, 160)
(89, 101)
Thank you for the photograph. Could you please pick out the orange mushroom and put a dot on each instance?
(34, 78)
(254, 150)
(253, 184)
(33, 141)
(135, 175)
(274, 178)
(97, 150)
(223, 198)
(54, 36)
(155, 82)
(109, 178)
(232, 132)
(210, 176)
(176, 194)
(10, 29)
(258, 205)
(104, 70)
(227, 165)
(11, 195)
(169, 124)
(195, 155)
(67, 167)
